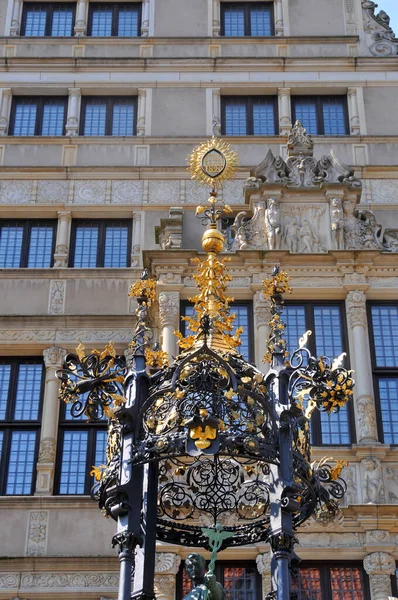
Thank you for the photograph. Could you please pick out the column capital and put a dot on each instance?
(261, 309)
(54, 357)
(74, 91)
(167, 562)
(356, 308)
(263, 562)
(379, 563)
(352, 91)
(64, 215)
(285, 91)
(169, 308)
(7, 92)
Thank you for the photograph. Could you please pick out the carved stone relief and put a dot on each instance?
(167, 562)
(56, 303)
(372, 481)
(52, 336)
(169, 234)
(164, 192)
(383, 191)
(52, 192)
(392, 483)
(127, 192)
(329, 540)
(195, 193)
(378, 536)
(15, 192)
(169, 308)
(90, 580)
(90, 192)
(366, 415)
(37, 533)
(382, 40)
(350, 476)
(263, 562)
(47, 450)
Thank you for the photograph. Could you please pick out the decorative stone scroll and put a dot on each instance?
(382, 40)
(169, 234)
(380, 566)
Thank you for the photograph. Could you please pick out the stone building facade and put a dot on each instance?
(99, 106)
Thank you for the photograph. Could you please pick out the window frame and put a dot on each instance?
(40, 102)
(115, 12)
(219, 573)
(248, 100)
(109, 102)
(9, 424)
(250, 319)
(377, 372)
(319, 99)
(49, 7)
(309, 306)
(27, 225)
(102, 226)
(247, 26)
(324, 568)
(92, 427)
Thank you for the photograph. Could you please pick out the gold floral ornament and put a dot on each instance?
(213, 162)
(144, 288)
(156, 358)
(273, 290)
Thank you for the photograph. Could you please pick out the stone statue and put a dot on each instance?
(292, 230)
(337, 223)
(308, 238)
(204, 585)
(373, 479)
(273, 223)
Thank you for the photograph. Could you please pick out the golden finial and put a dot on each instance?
(213, 162)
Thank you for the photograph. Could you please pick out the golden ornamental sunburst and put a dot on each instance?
(213, 162)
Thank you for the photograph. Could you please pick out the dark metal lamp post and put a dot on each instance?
(208, 451)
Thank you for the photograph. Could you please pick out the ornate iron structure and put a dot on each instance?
(209, 443)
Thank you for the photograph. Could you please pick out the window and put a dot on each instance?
(122, 20)
(244, 318)
(384, 348)
(101, 243)
(81, 446)
(255, 115)
(47, 19)
(27, 244)
(337, 582)
(247, 19)
(322, 115)
(241, 580)
(21, 394)
(38, 116)
(109, 116)
(327, 323)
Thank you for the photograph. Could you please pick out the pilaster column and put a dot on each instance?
(380, 566)
(5, 108)
(169, 314)
(364, 400)
(279, 27)
(355, 124)
(61, 254)
(53, 359)
(262, 317)
(141, 110)
(136, 240)
(16, 17)
(81, 18)
(145, 19)
(285, 111)
(167, 565)
(264, 568)
(216, 111)
(216, 25)
(72, 122)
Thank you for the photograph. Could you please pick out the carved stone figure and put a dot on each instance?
(204, 585)
(366, 418)
(350, 477)
(337, 223)
(309, 241)
(373, 481)
(273, 223)
(291, 235)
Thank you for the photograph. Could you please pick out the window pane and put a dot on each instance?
(307, 584)
(334, 116)
(35, 23)
(10, 246)
(128, 21)
(21, 462)
(95, 118)
(100, 448)
(102, 21)
(328, 340)
(388, 391)
(294, 317)
(25, 118)
(73, 465)
(385, 332)
(40, 247)
(242, 319)
(260, 21)
(62, 21)
(86, 246)
(346, 584)
(235, 118)
(240, 583)
(5, 371)
(305, 109)
(53, 118)
(28, 392)
(123, 118)
(234, 20)
(116, 239)
(263, 117)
